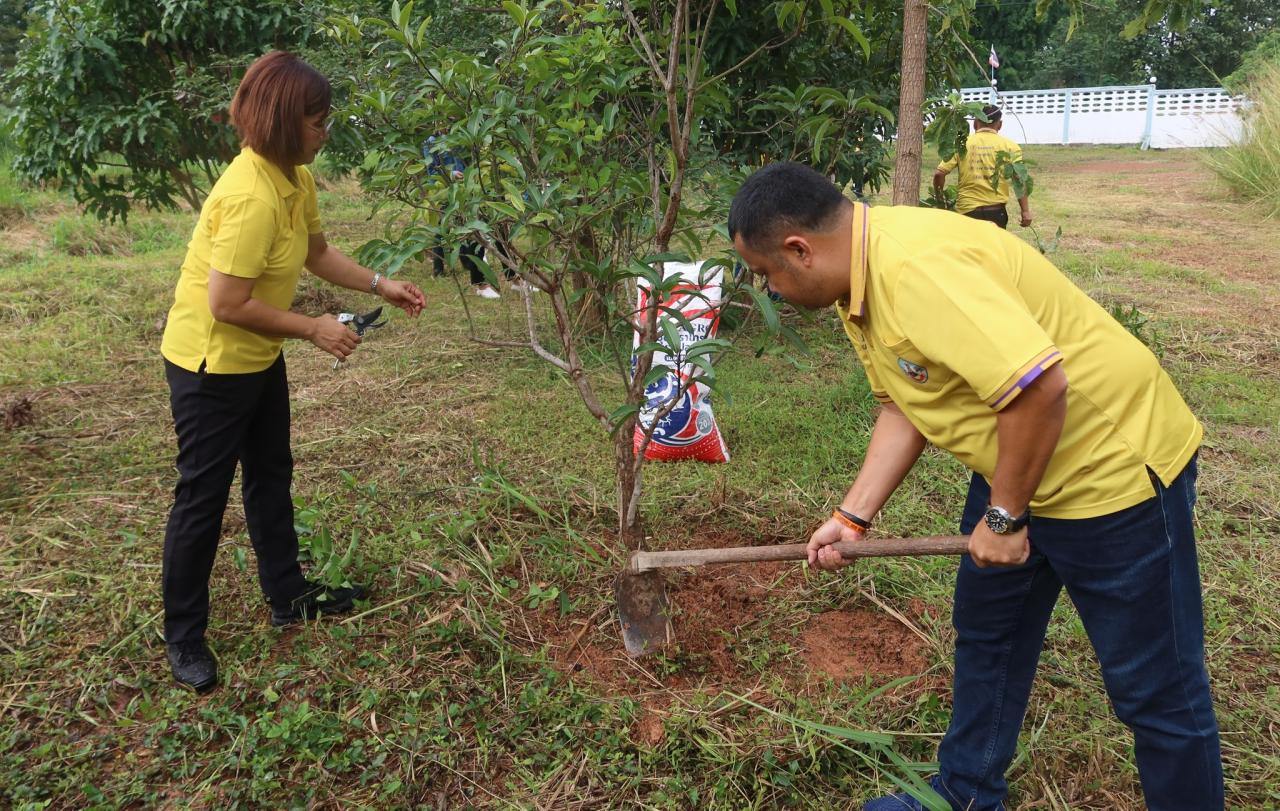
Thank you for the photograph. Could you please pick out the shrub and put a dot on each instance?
(1252, 167)
(79, 235)
(1265, 53)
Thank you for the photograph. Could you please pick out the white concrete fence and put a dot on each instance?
(1138, 114)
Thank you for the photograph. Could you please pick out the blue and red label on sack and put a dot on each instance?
(688, 430)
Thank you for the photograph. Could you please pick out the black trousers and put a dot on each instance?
(222, 420)
(996, 214)
(468, 253)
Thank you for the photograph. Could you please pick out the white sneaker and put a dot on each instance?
(486, 291)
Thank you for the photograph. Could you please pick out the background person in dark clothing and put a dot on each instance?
(443, 163)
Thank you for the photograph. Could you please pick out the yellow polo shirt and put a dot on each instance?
(255, 224)
(974, 186)
(952, 320)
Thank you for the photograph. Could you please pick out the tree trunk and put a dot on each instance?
(906, 169)
(592, 311)
(630, 525)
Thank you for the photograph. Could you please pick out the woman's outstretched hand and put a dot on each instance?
(404, 295)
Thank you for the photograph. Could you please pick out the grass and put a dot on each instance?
(1252, 168)
(470, 488)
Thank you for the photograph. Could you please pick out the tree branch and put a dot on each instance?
(644, 41)
(536, 345)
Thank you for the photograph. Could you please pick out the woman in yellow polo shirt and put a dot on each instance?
(222, 353)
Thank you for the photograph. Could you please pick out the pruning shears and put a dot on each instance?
(360, 323)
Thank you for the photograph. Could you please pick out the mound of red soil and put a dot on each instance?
(711, 608)
(717, 611)
(648, 729)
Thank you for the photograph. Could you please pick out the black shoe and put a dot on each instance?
(316, 600)
(193, 665)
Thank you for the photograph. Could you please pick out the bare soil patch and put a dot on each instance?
(849, 645)
(717, 612)
(648, 728)
(725, 617)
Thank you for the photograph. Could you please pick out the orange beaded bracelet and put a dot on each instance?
(850, 520)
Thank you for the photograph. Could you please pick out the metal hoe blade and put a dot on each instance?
(643, 611)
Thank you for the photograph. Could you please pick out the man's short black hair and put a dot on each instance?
(992, 113)
(781, 196)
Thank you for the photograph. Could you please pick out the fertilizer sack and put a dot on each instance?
(688, 430)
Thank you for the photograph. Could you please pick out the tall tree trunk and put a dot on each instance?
(915, 48)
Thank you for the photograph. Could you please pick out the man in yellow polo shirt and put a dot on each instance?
(1083, 457)
(975, 196)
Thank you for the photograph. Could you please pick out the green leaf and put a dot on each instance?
(765, 305)
(656, 373)
(670, 334)
(505, 209)
(619, 416)
(654, 259)
(818, 136)
(854, 31)
(794, 339)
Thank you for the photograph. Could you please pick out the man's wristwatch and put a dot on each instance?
(1002, 522)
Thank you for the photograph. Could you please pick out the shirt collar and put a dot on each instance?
(859, 242)
(283, 185)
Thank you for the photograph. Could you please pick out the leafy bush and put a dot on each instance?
(1265, 53)
(124, 100)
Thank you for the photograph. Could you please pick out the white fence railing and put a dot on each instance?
(1136, 114)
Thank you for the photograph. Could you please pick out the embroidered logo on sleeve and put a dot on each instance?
(919, 374)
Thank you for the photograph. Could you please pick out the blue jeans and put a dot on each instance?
(1133, 578)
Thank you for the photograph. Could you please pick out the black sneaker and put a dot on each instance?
(316, 600)
(193, 665)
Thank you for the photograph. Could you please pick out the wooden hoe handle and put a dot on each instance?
(869, 548)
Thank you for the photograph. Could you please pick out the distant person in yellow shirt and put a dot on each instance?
(223, 357)
(974, 195)
(1083, 460)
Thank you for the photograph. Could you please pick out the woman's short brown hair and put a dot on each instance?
(277, 92)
